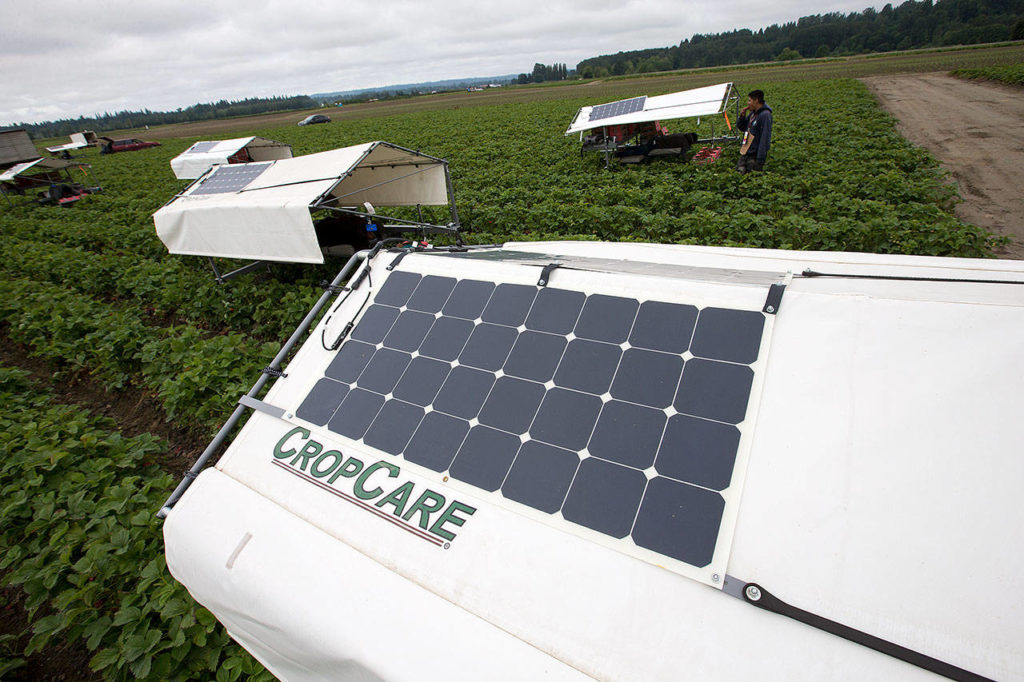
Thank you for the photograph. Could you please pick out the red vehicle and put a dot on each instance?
(126, 145)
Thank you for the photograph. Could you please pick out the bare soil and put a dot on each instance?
(976, 129)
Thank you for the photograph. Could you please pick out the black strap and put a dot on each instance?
(273, 372)
(774, 300)
(545, 274)
(761, 598)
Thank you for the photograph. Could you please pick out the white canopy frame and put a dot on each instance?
(709, 101)
(86, 138)
(202, 155)
(264, 211)
(46, 173)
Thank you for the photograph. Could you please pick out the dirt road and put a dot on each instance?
(977, 131)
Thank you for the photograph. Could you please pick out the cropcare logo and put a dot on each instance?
(424, 512)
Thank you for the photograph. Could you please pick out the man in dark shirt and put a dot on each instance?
(755, 120)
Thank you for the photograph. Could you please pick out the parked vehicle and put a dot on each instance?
(315, 118)
(129, 144)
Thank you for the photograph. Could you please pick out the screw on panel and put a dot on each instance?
(715, 578)
(753, 593)
(770, 309)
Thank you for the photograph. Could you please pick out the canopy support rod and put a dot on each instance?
(232, 421)
(411, 223)
(451, 200)
(412, 151)
(379, 184)
(755, 595)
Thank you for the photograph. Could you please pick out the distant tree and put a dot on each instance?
(912, 24)
(822, 51)
(787, 54)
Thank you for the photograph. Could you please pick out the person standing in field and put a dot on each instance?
(756, 123)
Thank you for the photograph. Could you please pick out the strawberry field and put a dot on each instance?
(90, 293)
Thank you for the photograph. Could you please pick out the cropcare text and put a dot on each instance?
(371, 483)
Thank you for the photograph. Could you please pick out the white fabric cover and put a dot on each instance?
(883, 492)
(270, 220)
(686, 104)
(325, 599)
(189, 165)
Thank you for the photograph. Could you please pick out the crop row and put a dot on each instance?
(1012, 74)
(166, 288)
(194, 376)
(78, 534)
(839, 176)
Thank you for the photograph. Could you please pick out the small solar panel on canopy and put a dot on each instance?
(202, 147)
(619, 413)
(626, 106)
(230, 178)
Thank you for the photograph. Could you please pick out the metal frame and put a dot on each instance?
(608, 147)
(42, 184)
(273, 367)
(325, 200)
(249, 400)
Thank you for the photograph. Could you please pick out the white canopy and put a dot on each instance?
(201, 156)
(686, 104)
(878, 464)
(78, 141)
(38, 164)
(261, 211)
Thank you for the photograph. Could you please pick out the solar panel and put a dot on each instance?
(201, 147)
(623, 416)
(626, 106)
(230, 178)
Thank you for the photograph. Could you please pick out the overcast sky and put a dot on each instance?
(62, 59)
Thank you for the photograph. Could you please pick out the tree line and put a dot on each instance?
(542, 73)
(197, 112)
(914, 24)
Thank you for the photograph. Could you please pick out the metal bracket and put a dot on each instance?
(273, 372)
(260, 406)
(334, 289)
(545, 274)
(774, 300)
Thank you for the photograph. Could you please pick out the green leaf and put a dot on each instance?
(104, 659)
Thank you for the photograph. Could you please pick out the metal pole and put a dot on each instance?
(451, 196)
(254, 391)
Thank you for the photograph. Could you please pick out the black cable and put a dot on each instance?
(812, 273)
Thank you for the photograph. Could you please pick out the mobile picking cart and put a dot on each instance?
(574, 460)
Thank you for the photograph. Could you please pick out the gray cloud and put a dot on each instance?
(79, 58)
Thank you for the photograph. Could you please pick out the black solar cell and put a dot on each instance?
(626, 106)
(202, 147)
(591, 410)
(321, 403)
(230, 178)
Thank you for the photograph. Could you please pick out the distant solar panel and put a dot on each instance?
(202, 147)
(626, 106)
(620, 414)
(230, 178)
